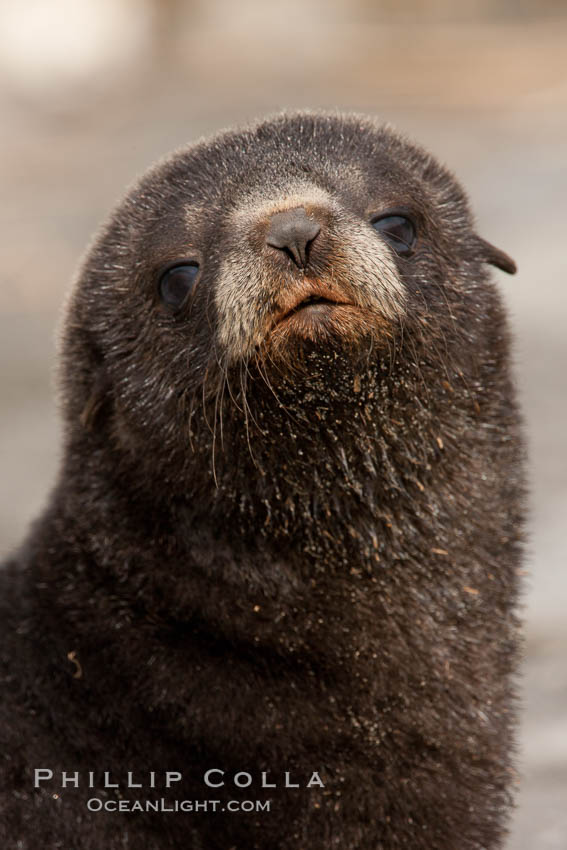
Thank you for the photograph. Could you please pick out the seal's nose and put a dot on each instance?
(292, 231)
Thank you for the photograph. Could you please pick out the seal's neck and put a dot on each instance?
(317, 463)
(307, 462)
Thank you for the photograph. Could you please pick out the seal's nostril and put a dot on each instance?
(293, 231)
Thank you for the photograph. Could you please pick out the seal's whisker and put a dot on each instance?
(219, 396)
(263, 372)
(446, 360)
(220, 399)
(234, 397)
(247, 414)
(397, 344)
(417, 367)
(206, 378)
(212, 428)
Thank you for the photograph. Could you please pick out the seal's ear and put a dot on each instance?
(96, 403)
(98, 392)
(496, 257)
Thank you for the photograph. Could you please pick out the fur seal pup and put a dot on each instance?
(280, 564)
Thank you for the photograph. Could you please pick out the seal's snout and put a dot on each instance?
(302, 265)
(293, 231)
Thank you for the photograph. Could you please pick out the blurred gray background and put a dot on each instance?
(92, 91)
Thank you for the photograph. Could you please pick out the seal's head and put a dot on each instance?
(310, 263)
(288, 524)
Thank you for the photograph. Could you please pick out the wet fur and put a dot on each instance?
(304, 558)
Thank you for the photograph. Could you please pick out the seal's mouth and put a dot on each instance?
(319, 312)
(311, 299)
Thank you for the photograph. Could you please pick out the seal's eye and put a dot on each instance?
(397, 230)
(176, 284)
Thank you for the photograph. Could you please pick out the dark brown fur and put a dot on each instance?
(300, 558)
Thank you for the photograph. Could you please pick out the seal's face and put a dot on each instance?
(308, 238)
(301, 265)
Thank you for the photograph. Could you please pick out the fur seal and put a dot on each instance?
(280, 563)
